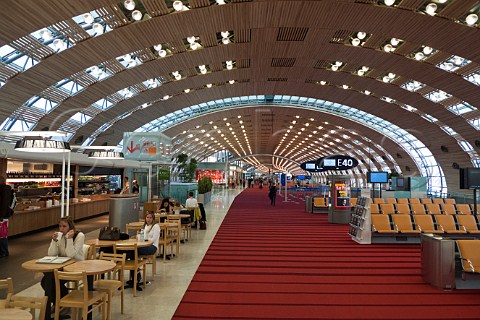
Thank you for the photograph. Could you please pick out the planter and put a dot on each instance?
(204, 197)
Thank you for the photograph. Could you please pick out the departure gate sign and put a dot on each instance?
(338, 162)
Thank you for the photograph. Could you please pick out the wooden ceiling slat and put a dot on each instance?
(54, 94)
(145, 55)
(407, 48)
(156, 7)
(92, 111)
(411, 4)
(31, 47)
(70, 126)
(199, 3)
(438, 57)
(341, 36)
(457, 9)
(177, 46)
(425, 90)
(70, 30)
(8, 71)
(468, 69)
(243, 35)
(28, 114)
(113, 16)
(450, 101)
(375, 41)
(209, 40)
(113, 66)
(84, 79)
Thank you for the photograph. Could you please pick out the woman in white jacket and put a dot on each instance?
(68, 242)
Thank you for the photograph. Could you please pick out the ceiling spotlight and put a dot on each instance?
(194, 46)
(129, 4)
(186, 90)
(191, 39)
(225, 40)
(334, 67)
(386, 79)
(471, 19)
(58, 44)
(209, 85)
(323, 83)
(389, 2)
(448, 66)
(394, 41)
(419, 56)
(137, 15)
(365, 68)
(46, 34)
(361, 35)
(224, 34)
(360, 72)
(157, 47)
(162, 53)
(388, 48)
(97, 28)
(391, 75)
(166, 97)
(231, 81)
(178, 5)
(431, 8)
(88, 18)
(427, 50)
(355, 42)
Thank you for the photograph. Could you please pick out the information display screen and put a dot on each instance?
(377, 177)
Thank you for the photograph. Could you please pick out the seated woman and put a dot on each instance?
(151, 232)
(165, 206)
(66, 243)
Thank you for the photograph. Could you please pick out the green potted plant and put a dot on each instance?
(205, 185)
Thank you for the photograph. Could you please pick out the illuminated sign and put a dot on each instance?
(337, 163)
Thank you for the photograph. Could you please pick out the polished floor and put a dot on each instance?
(160, 299)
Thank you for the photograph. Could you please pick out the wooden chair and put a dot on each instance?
(448, 208)
(438, 201)
(403, 224)
(6, 284)
(470, 255)
(381, 224)
(402, 208)
(433, 208)
(468, 223)
(78, 299)
(463, 209)
(387, 208)
(447, 224)
(414, 201)
(426, 200)
(176, 232)
(417, 208)
(114, 280)
(391, 200)
(449, 201)
(136, 265)
(166, 240)
(425, 224)
(402, 200)
(374, 208)
(31, 303)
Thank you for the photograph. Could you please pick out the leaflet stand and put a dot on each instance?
(360, 223)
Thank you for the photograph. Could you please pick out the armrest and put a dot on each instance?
(462, 227)
(470, 264)
(441, 227)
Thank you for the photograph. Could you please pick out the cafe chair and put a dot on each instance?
(166, 240)
(176, 232)
(31, 303)
(6, 284)
(136, 265)
(78, 299)
(114, 280)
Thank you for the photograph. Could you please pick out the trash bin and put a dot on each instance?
(308, 204)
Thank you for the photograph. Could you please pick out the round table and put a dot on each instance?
(90, 267)
(32, 265)
(14, 313)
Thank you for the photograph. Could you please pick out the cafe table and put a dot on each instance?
(109, 243)
(14, 313)
(47, 269)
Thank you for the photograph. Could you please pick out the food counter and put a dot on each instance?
(38, 215)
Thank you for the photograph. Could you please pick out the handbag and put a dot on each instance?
(109, 233)
(3, 229)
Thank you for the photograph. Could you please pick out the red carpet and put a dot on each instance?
(282, 263)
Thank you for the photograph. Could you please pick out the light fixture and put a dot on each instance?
(88, 18)
(112, 155)
(162, 53)
(225, 40)
(157, 47)
(41, 144)
(419, 56)
(178, 5)
(355, 42)
(427, 50)
(137, 15)
(431, 8)
(46, 34)
(97, 28)
(471, 19)
(361, 35)
(389, 2)
(129, 4)
(191, 39)
(58, 44)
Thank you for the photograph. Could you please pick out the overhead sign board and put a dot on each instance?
(337, 162)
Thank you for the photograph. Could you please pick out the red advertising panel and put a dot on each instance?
(341, 196)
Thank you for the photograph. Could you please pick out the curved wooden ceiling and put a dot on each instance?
(277, 47)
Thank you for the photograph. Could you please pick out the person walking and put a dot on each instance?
(272, 194)
(5, 213)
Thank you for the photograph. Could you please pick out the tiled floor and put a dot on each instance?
(160, 299)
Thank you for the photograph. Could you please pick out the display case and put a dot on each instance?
(95, 184)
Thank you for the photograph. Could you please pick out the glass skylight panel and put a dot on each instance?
(42, 104)
(20, 125)
(437, 95)
(71, 87)
(412, 85)
(80, 117)
(465, 145)
(461, 108)
(473, 78)
(6, 52)
(474, 123)
(448, 130)
(24, 62)
(429, 118)
(453, 63)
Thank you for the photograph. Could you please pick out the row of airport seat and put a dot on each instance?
(414, 200)
(418, 208)
(415, 224)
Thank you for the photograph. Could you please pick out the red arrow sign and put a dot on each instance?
(131, 149)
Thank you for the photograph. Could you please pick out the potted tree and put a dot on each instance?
(205, 185)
